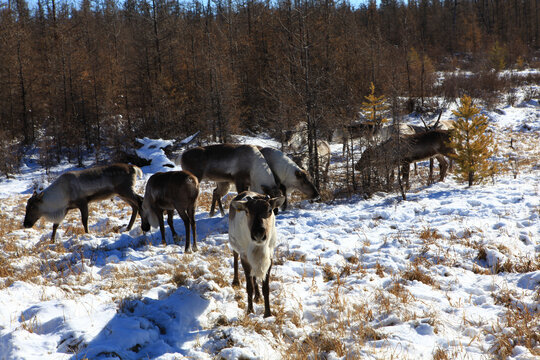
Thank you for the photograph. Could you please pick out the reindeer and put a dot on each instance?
(387, 132)
(404, 150)
(76, 189)
(169, 191)
(296, 145)
(323, 151)
(288, 175)
(360, 130)
(243, 165)
(253, 238)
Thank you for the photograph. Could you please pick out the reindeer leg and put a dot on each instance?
(284, 192)
(405, 171)
(159, 214)
(185, 218)
(134, 211)
(215, 200)
(191, 215)
(235, 281)
(443, 166)
(249, 284)
(266, 293)
(430, 177)
(135, 201)
(136, 206)
(256, 287)
(170, 215)
(54, 227)
(220, 191)
(220, 203)
(83, 207)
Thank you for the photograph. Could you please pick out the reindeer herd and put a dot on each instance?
(263, 177)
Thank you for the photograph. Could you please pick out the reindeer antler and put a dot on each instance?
(438, 119)
(425, 125)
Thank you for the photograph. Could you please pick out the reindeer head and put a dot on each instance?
(148, 217)
(33, 212)
(305, 185)
(259, 211)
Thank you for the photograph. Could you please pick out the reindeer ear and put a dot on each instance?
(239, 205)
(276, 202)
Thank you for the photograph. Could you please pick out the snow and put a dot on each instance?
(352, 278)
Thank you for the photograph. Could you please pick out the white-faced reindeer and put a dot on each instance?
(76, 189)
(288, 175)
(169, 191)
(243, 165)
(253, 237)
(402, 151)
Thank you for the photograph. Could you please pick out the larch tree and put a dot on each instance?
(375, 107)
(472, 143)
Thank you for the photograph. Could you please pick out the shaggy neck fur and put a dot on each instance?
(259, 257)
(54, 203)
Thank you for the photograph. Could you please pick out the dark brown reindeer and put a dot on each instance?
(169, 191)
(243, 165)
(404, 150)
(76, 189)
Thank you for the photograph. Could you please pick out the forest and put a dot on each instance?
(89, 77)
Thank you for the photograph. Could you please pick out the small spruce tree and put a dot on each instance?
(472, 144)
(374, 107)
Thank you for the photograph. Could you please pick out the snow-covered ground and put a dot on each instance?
(451, 273)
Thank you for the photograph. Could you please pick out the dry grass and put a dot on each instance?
(328, 273)
(418, 274)
(440, 354)
(31, 325)
(518, 327)
(428, 234)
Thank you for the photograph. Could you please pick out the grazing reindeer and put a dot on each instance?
(437, 125)
(323, 151)
(169, 191)
(253, 237)
(359, 130)
(405, 150)
(243, 165)
(76, 189)
(296, 144)
(288, 175)
(384, 133)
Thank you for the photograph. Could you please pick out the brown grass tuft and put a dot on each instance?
(429, 234)
(415, 273)
(328, 273)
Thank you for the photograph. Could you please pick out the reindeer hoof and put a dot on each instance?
(188, 251)
(235, 283)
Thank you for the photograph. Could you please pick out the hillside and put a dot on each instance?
(451, 273)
